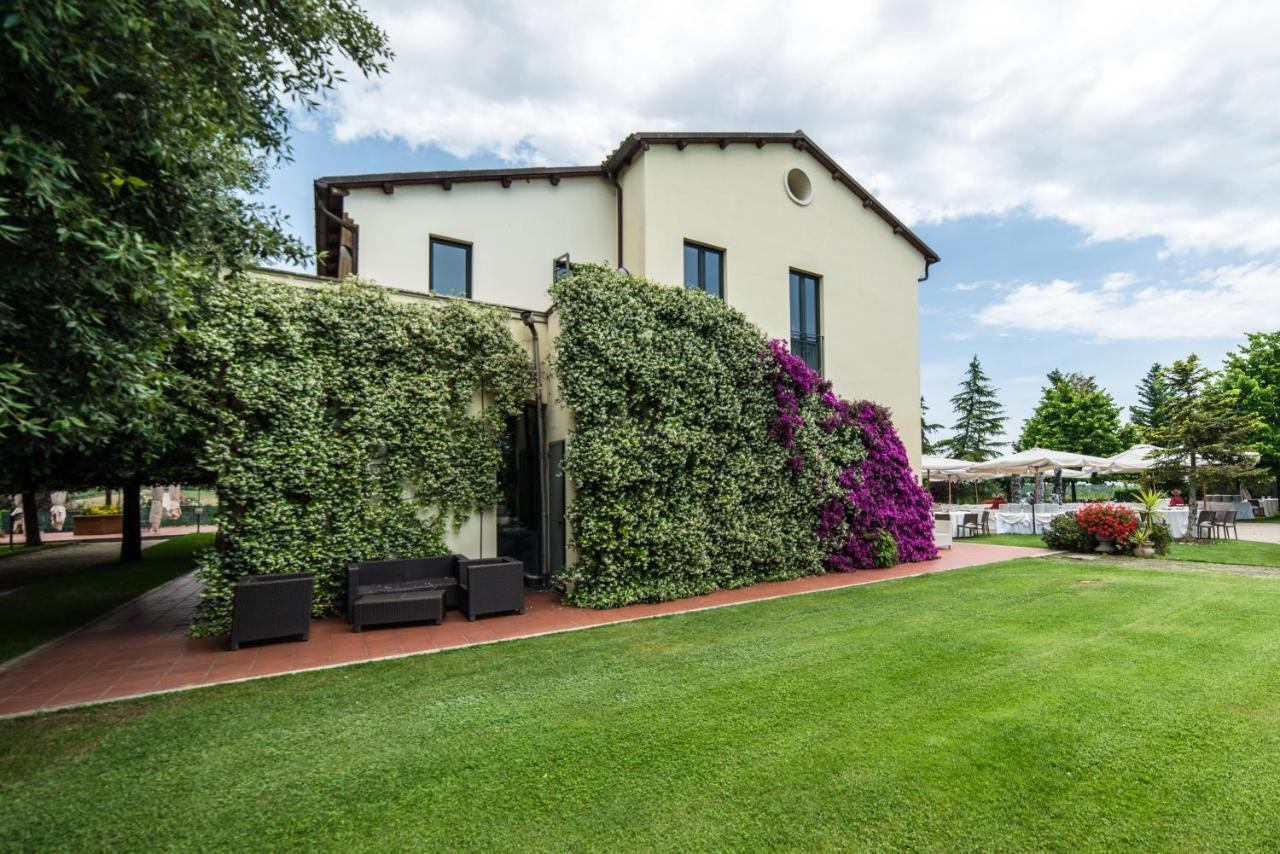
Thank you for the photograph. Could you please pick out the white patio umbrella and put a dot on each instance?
(938, 469)
(1035, 460)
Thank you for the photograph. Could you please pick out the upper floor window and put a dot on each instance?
(704, 269)
(450, 273)
(806, 334)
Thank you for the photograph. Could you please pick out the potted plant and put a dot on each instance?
(1142, 546)
(1108, 523)
(95, 521)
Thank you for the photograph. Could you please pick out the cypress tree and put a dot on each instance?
(980, 417)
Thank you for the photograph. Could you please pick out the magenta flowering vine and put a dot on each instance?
(867, 505)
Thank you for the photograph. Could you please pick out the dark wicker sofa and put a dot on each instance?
(271, 606)
(402, 587)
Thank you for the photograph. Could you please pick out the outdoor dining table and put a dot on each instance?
(1270, 506)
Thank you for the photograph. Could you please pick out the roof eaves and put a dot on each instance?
(625, 153)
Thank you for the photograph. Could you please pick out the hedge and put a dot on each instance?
(704, 456)
(345, 425)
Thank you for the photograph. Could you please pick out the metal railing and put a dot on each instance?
(809, 348)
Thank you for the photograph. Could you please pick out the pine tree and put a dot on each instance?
(926, 445)
(980, 417)
(1204, 426)
(1150, 414)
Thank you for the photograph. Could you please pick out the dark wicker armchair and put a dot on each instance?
(271, 606)
(491, 586)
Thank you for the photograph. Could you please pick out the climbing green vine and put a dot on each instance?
(345, 424)
(679, 487)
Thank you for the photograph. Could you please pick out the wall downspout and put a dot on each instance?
(544, 483)
(614, 180)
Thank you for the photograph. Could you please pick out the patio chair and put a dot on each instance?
(969, 525)
(1225, 521)
(264, 607)
(1205, 522)
(491, 586)
(985, 522)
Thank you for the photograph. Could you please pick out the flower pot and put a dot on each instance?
(1105, 546)
(1145, 551)
(88, 526)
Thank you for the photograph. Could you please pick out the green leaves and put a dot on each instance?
(1075, 414)
(134, 133)
(679, 488)
(344, 425)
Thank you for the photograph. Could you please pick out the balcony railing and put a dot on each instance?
(809, 348)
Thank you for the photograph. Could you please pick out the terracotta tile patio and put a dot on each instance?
(143, 648)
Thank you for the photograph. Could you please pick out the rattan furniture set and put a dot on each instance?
(380, 592)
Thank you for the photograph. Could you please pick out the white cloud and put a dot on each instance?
(1224, 302)
(967, 286)
(1128, 120)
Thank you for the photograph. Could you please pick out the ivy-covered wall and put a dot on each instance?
(343, 425)
(704, 456)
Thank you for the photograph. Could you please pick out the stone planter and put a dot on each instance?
(1105, 546)
(88, 526)
(1145, 551)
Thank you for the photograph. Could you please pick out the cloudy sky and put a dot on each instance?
(1102, 180)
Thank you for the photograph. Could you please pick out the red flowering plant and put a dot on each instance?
(1108, 521)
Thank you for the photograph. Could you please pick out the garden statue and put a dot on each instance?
(57, 510)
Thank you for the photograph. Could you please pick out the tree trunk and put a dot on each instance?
(110, 494)
(31, 518)
(131, 533)
(1192, 510)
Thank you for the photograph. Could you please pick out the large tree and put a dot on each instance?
(1075, 414)
(1150, 414)
(1205, 426)
(927, 445)
(1254, 373)
(979, 417)
(135, 134)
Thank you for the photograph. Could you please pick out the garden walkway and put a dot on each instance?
(142, 647)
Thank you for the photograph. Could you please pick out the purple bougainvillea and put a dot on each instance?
(877, 495)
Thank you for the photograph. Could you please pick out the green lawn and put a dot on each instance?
(40, 612)
(1031, 704)
(1242, 552)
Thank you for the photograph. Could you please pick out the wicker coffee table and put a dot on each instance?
(416, 606)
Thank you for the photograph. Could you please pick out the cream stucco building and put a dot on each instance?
(766, 221)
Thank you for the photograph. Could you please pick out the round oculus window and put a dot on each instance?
(799, 187)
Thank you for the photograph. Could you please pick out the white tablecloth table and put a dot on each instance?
(1270, 506)
(1176, 519)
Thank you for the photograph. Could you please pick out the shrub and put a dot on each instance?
(886, 549)
(1108, 521)
(1065, 534)
(345, 426)
(103, 510)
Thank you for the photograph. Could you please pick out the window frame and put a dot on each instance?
(814, 338)
(703, 249)
(433, 239)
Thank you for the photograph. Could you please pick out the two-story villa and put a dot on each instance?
(766, 221)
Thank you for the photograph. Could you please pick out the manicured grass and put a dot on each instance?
(1027, 705)
(1242, 552)
(39, 612)
(1031, 541)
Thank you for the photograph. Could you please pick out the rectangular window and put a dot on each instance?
(450, 273)
(704, 269)
(806, 336)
